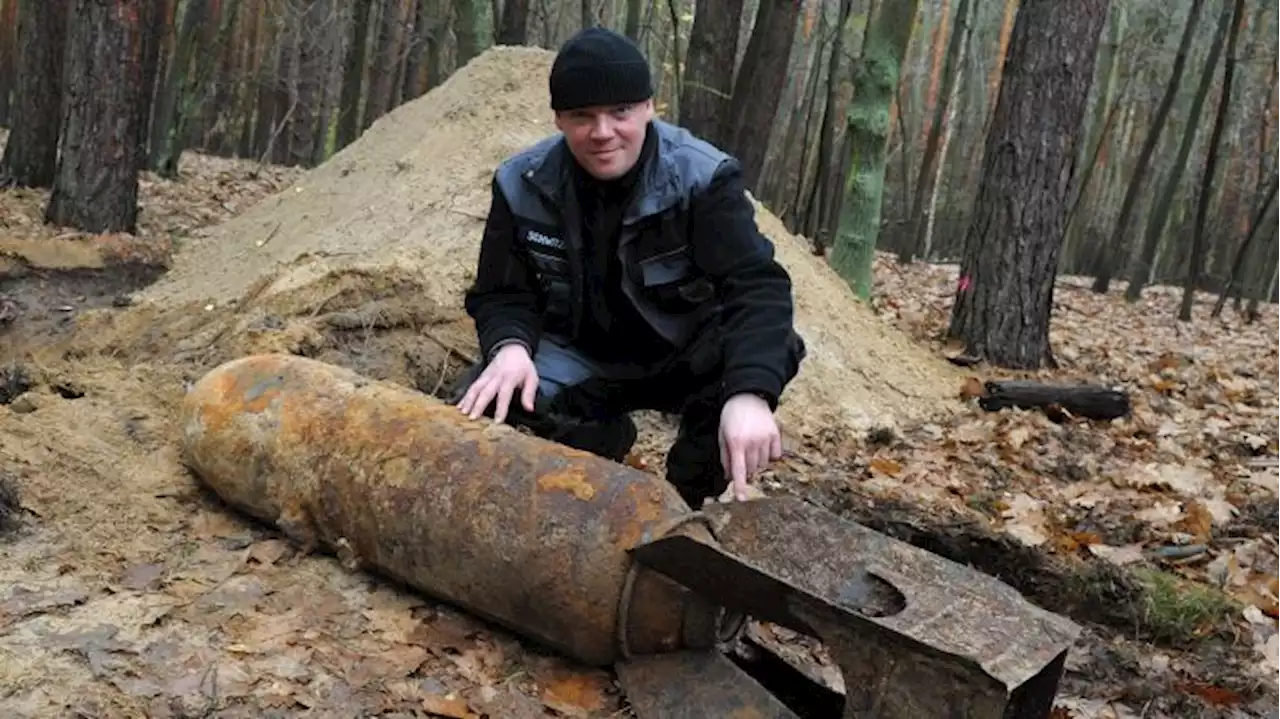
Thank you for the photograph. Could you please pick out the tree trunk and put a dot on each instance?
(155, 24)
(515, 23)
(930, 216)
(96, 185)
(169, 129)
(353, 75)
(913, 243)
(274, 40)
(8, 55)
(31, 154)
(1005, 294)
(708, 82)
(1262, 217)
(437, 41)
(631, 25)
(760, 82)
(1105, 109)
(817, 209)
(876, 81)
(1158, 222)
(1117, 248)
(465, 31)
(1195, 263)
(415, 61)
(386, 61)
(312, 73)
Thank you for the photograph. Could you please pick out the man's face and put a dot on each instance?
(606, 139)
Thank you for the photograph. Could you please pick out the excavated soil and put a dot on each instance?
(126, 590)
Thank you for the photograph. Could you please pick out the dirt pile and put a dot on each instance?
(411, 195)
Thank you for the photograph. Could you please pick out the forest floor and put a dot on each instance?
(127, 590)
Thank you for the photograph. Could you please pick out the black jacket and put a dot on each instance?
(692, 260)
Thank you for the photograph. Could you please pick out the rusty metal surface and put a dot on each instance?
(915, 635)
(696, 684)
(520, 531)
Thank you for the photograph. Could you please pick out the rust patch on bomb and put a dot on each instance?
(572, 480)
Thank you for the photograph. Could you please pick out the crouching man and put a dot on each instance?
(621, 269)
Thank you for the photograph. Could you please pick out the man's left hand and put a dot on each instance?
(749, 439)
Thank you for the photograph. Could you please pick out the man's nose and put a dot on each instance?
(601, 128)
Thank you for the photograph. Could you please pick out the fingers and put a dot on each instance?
(743, 458)
(530, 389)
(738, 470)
(506, 388)
(468, 402)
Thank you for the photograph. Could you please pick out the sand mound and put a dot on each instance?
(410, 197)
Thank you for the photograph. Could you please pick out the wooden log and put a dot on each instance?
(1058, 401)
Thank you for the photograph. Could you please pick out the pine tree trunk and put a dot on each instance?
(313, 70)
(708, 82)
(415, 62)
(817, 206)
(1117, 248)
(913, 243)
(31, 153)
(763, 75)
(631, 25)
(386, 61)
(8, 55)
(1199, 242)
(169, 130)
(96, 185)
(1140, 271)
(353, 74)
(514, 29)
(465, 31)
(1005, 294)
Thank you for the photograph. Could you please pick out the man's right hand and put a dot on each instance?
(512, 368)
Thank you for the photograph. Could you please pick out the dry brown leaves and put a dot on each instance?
(209, 189)
(1187, 484)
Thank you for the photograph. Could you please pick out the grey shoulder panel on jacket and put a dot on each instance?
(694, 160)
(510, 169)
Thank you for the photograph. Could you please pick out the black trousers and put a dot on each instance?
(585, 404)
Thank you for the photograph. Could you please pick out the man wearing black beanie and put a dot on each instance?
(621, 269)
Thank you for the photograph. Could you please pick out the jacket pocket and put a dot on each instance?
(672, 282)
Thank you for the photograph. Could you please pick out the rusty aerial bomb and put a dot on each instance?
(528, 534)
(607, 564)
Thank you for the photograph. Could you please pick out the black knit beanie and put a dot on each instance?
(598, 66)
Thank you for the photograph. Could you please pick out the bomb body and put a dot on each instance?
(517, 530)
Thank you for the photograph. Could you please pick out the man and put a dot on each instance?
(620, 269)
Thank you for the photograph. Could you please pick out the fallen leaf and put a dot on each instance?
(972, 388)
(268, 551)
(1198, 522)
(1119, 556)
(886, 466)
(575, 694)
(23, 602)
(1017, 437)
(142, 577)
(1214, 695)
(1025, 520)
(448, 706)
(1271, 653)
